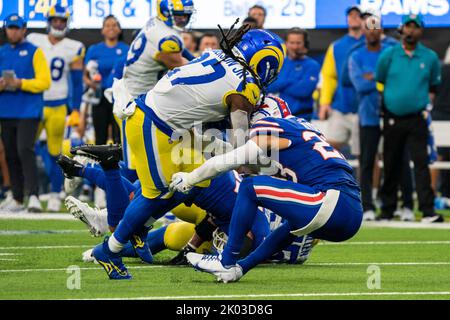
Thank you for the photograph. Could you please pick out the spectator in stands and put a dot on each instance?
(251, 21)
(25, 75)
(259, 13)
(362, 66)
(190, 42)
(336, 101)
(410, 73)
(208, 41)
(298, 78)
(106, 54)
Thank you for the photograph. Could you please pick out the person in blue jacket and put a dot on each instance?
(298, 78)
(24, 76)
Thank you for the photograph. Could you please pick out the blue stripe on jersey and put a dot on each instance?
(147, 128)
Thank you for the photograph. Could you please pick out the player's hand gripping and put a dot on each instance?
(180, 182)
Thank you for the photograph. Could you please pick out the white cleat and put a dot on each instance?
(87, 256)
(212, 264)
(369, 215)
(70, 185)
(54, 203)
(12, 206)
(407, 215)
(94, 219)
(34, 205)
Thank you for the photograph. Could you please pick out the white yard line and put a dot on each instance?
(285, 295)
(38, 232)
(80, 246)
(368, 243)
(36, 216)
(85, 268)
(307, 264)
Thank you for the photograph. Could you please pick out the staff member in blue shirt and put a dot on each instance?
(25, 75)
(362, 66)
(106, 54)
(410, 73)
(337, 101)
(299, 76)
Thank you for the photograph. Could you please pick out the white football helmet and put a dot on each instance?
(272, 107)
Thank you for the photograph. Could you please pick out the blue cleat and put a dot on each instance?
(140, 245)
(111, 262)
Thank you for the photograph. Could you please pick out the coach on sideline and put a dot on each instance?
(25, 75)
(411, 74)
(299, 76)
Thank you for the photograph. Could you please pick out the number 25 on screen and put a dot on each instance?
(293, 8)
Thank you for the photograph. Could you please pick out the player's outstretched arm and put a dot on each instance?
(240, 110)
(247, 154)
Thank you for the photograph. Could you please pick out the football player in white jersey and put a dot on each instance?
(219, 84)
(157, 48)
(65, 57)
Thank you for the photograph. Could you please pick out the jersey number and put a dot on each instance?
(57, 68)
(137, 48)
(321, 146)
(218, 73)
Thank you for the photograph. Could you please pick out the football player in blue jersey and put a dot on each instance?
(313, 190)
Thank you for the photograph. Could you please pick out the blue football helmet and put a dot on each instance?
(264, 52)
(175, 13)
(58, 11)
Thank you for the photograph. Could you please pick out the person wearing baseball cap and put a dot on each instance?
(410, 73)
(24, 76)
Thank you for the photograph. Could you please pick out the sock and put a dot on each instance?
(117, 197)
(56, 175)
(114, 245)
(244, 214)
(96, 175)
(275, 242)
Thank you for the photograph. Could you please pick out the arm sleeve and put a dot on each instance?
(77, 88)
(329, 77)
(362, 85)
(307, 84)
(246, 154)
(42, 79)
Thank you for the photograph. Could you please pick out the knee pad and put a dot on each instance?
(178, 234)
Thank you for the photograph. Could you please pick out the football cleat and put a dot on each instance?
(71, 168)
(141, 247)
(212, 264)
(107, 155)
(111, 262)
(95, 219)
(88, 257)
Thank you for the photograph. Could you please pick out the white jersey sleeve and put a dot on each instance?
(142, 70)
(59, 57)
(198, 91)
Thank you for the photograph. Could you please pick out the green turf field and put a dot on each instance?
(413, 264)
